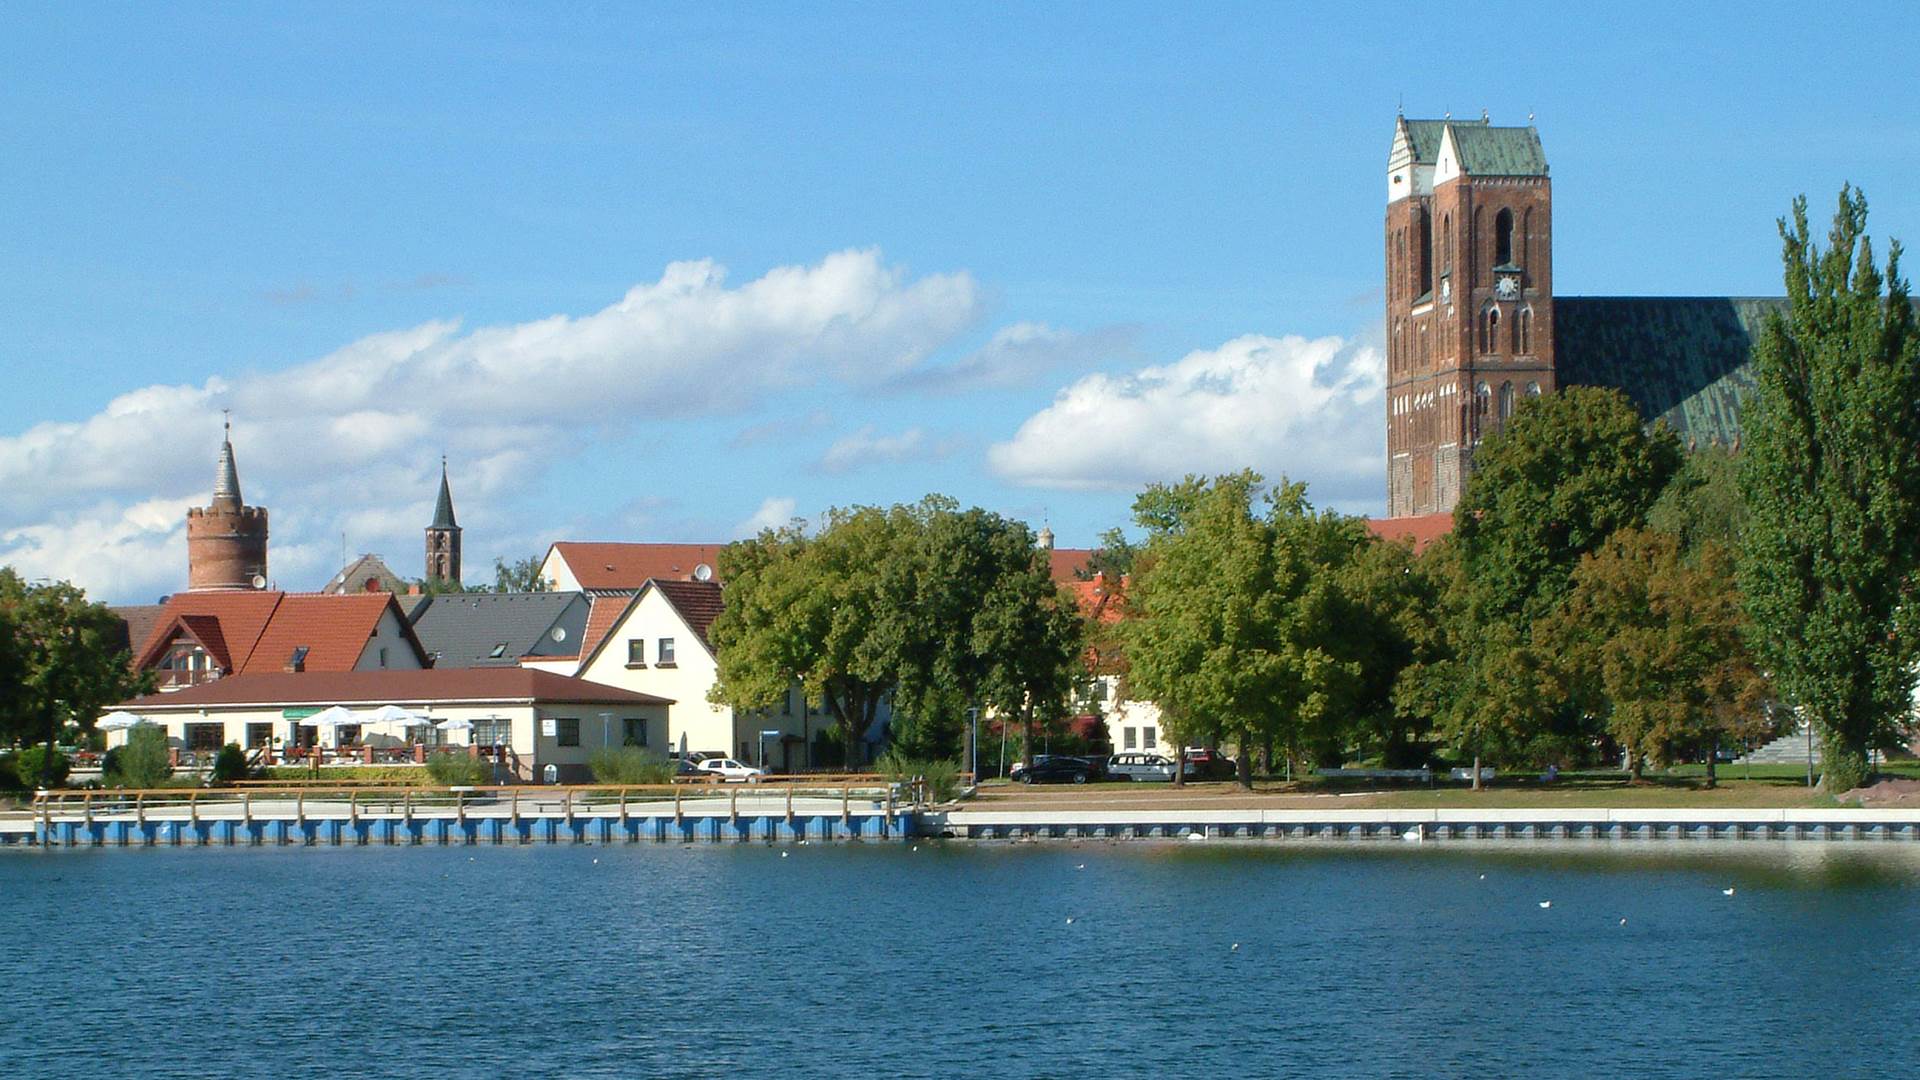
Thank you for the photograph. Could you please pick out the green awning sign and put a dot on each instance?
(300, 713)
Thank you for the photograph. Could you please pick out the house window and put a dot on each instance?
(1130, 734)
(664, 655)
(566, 731)
(494, 731)
(259, 734)
(636, 731)
(383, 656)
(1147, 740)
(786, 703)
(205, 736)
(636, 652)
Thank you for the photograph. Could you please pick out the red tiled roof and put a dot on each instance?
(241, 616)
(1098, 600)
(698, 602)
(601, 618)
(334, 628)
(1420, 531)
(1065, 564)
(500, 684)
(628, 566)
(258, 631)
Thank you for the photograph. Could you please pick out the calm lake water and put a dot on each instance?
(883, 961)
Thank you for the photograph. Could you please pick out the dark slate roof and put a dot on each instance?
(464, 630)
(1683, 359)
(443, 508)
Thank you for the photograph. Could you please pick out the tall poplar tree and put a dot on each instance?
(1831, 474)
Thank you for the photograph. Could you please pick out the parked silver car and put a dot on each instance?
(1136, 766)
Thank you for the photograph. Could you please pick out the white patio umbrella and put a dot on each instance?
(332, 716)
(120, 721)
(455, 724)
(396, 716)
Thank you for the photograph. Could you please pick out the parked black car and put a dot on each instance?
(1060, 770)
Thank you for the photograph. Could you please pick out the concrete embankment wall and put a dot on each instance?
(447, 829)
(1426, 825)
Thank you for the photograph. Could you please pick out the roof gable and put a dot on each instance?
(695, 603)
(241, 615)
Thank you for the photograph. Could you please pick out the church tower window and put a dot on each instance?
(1503, 238)
(1490, 329)
(1423, 237)
(1523, 331)
(1506, 401)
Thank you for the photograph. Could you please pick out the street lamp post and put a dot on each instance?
(973, 742)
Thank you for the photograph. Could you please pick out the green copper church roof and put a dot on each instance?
(1485, 150)
(1683, 359)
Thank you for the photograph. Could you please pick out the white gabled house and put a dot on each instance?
(658, 645)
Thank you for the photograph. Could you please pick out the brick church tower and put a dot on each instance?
(443, 536)
(1469, 298)
(226, 540)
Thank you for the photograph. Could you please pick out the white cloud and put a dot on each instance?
(865, 447)
(1018, 355)
(352, 440)
(775, 511)
(1309, 409)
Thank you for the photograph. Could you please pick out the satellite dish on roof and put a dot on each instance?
(259, 581)
(703, 572)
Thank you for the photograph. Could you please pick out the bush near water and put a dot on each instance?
(630, 765)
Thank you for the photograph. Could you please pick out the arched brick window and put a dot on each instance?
(1490, 329)
(1506, 401)
(1523, 332)
(1503, 238)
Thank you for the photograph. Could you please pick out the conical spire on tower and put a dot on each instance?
(443, 509)
(226, 480)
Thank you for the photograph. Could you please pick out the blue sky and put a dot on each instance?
(1028, 256)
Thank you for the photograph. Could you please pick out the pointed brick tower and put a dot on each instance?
(226, 540)
(443, 536)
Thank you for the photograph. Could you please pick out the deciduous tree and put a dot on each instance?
(1654, 644)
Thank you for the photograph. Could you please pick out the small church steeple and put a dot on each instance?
(443, 536)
